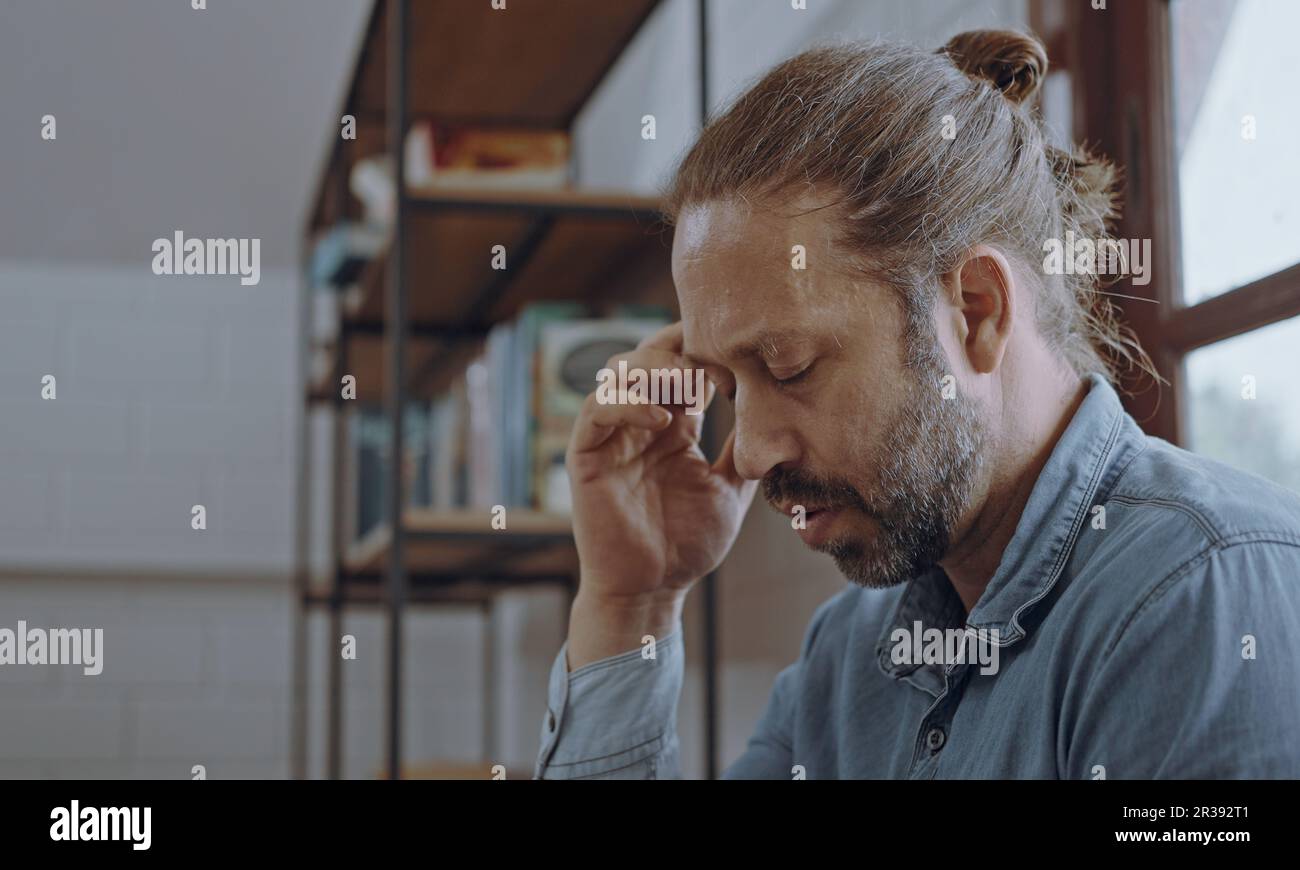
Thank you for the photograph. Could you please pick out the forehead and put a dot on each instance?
(736, 270)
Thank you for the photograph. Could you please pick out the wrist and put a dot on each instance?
(630, 609)
(602, 625)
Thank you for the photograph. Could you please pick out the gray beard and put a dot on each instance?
(924, 484)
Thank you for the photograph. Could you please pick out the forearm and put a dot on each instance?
(604, 626)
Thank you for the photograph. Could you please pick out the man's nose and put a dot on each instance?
(763, 441)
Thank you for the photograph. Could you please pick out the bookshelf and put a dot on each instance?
(566, 239)
(462, 543)
(417, 312)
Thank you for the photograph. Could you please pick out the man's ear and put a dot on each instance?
(981, 291)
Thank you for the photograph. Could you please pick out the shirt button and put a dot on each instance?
(935, 739)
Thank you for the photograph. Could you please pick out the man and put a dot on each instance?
(933, 409)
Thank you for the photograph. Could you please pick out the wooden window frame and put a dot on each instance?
(1121, 74)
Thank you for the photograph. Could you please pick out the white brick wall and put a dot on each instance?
(197, 671)
(171, 392)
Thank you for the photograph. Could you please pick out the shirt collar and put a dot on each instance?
(1091, 452)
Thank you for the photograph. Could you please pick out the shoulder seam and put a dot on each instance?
(1184, 569)
(1200, 519)
(1122, 472)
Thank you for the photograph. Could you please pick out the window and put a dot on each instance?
(1236, 126)
(1242, 401)
(1196, 101)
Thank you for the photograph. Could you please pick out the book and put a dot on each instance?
(570, 353)
(464, 157)
(368, 431)
(480, 452)
(532, 320)
(342, 252)
(443, 436)
(500, 432)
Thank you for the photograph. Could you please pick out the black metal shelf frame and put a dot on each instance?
(396, 587)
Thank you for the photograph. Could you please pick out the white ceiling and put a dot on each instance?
(212, 122)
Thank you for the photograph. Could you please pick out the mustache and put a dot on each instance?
(785, 485)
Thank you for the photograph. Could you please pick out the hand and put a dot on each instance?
(651, 516)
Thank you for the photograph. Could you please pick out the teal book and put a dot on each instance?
(532, 320)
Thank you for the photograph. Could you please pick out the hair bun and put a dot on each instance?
(1014, 63)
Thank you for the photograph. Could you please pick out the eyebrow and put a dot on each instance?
(766, 343)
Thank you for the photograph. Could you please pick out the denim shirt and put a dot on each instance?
(1146, 616)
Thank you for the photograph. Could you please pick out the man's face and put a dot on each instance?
(835, 410)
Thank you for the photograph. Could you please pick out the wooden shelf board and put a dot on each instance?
(448, 257)
(430, 365)
(534, 63)
(609, 203)
(581, 259)
(372, 590)
(575, 256)
(450, 542)
(520, 521)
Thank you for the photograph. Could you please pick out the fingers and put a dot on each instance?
(647, 359)
(710, 390)
(654, 356)
(597, 422)
(653, 417)
(689, 390)
(669, 338)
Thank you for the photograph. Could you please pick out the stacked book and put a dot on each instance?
(499, 434)
(459, 157)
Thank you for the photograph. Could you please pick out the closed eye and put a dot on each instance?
(793, 379)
